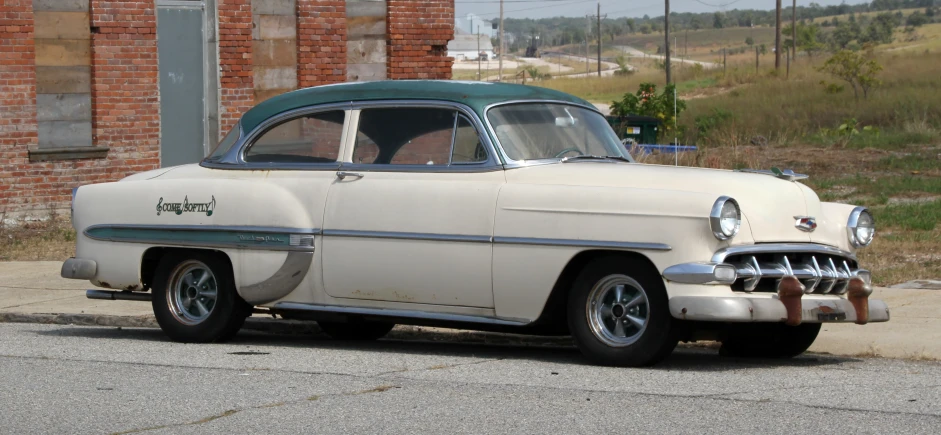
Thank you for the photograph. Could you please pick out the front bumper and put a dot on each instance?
(769, 308)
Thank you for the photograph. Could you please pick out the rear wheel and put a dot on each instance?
(194, 298)
(769, 340)
(619, 315)
(357, 330)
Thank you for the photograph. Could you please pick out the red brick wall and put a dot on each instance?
(321, 42)
(125, 107)
(236, 94)
(418, 37)
(17, 100)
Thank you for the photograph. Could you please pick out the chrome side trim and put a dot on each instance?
(581, 243)
(283, 282)
(238, 237)
(408, 236)
(770, 248)
(786, 174)
(408, 314)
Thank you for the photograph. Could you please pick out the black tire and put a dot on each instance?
(768, 340)
(226, 314)
(356, 330)
(649, 344)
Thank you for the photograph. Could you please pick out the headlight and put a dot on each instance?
(726, 218)
(861, 227)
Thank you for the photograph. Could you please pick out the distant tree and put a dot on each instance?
(646, 102)
(696, 23)
(717, 21)
(631, 25)
(917, 19)
(929, 12)
(880, 29)
(844, 34)
(749, 41)
(645, 29)
(854, 68)
(763, 49)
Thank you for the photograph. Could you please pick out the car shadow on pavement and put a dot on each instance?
(555, 350)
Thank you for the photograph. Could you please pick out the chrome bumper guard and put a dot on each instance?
(77, 268)
(788, 270)
(771, 309)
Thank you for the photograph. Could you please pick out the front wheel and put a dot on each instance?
(619, 315)
(768, 340)
(194, 298)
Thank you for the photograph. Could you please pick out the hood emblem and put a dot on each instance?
(806, 223)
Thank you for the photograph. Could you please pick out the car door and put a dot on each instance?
(410, 216)
(292, 160)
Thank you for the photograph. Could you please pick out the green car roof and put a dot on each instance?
(477, 95)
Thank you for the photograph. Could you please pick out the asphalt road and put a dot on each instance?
(69, 379)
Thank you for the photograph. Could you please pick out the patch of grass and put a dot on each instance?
(919, 216)
(50, 239)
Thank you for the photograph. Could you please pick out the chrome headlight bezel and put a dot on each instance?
(715, 218)
(853, 226)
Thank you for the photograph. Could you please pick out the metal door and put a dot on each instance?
(180, 51)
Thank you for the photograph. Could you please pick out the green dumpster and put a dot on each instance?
(640, 129)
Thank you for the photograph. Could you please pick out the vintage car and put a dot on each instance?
(481, 206)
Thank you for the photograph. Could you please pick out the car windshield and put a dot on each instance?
(537, 131)
(223, 147)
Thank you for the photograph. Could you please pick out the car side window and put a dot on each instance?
(416, 136)
(313, 138)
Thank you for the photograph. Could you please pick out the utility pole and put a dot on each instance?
(502, 51)
(600, 37)
(777, 36)
(666, 39)
(756, 59)
(587, 52)
(479, 77)
(794, 29)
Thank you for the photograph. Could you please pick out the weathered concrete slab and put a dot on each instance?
(365, 8)
(55, 134)
(366, 51)
(61, 25)
(61, 5)
(63, 79)
(264, 94)
(366, 26)
(274, 52)
(63, 52)
(273, 7)
(275, 77)
(365, 72)
(63, 107)
(277, 26)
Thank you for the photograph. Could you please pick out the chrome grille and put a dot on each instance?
(821, 273)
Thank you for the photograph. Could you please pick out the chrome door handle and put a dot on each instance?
(343, 174)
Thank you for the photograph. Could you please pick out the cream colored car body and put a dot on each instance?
(486, 246)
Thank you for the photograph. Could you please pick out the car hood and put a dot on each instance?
(768, 204)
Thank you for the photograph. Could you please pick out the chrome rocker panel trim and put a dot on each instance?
(397, 313)
(771, 309)
(208, 236)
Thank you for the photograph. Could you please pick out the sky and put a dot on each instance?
(488, 9)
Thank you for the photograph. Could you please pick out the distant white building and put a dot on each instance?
(473, 24)
(465, 47)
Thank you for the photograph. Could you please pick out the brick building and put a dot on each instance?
(95, 90)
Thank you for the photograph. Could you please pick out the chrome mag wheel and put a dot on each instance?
(618, 311)
(192, 292)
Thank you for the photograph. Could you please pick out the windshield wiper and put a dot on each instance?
(594, 157)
